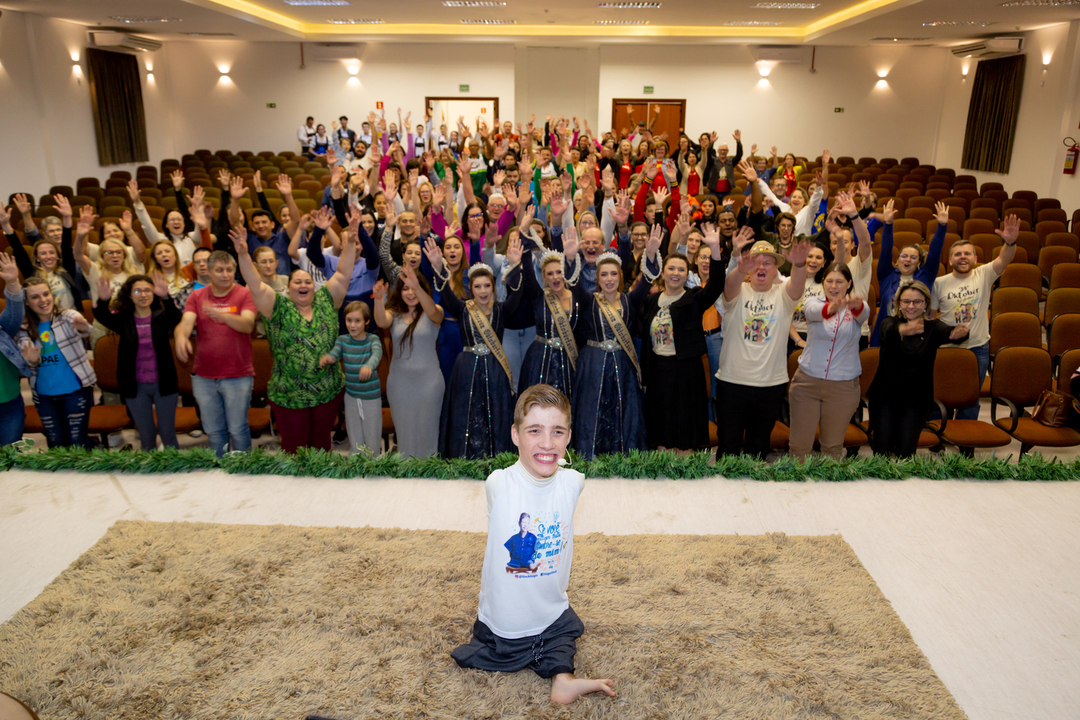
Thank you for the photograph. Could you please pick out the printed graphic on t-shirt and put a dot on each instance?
(965, 302)
(759, 317)
(662, 333)
(536, 548)
(50, 352)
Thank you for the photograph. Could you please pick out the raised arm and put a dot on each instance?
(383, 317)
(284, 185)
(1009, 234)
(236, 191)
(262, 294)
(433, 311)
(885, 266)
(338, 284)
(82, 248)
(796, 284)
(21, 259)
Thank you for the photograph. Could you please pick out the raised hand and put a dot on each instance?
(742, 240)
(439, 197)
(661, 194)
(434, 253)
(889, 211)
(224, 178)
(826, 156)
(559, 205)
(323, 217)
(652, 246)
(799, 250)
(62, 204)
(198, 196)
(669, 170)
(684, 225)
(622, 207)
(499, 178)
(133, 190)
(86, 220)
(748, 171)
(753, 149)
(942, 212)
(378, 292)
(570, 243)
(238, 235)
(256, 180)
(22, 204)
(408, 278)
(1011, 230)
(524, 193)
(864, 188)
(391, 214)
(125, 221)
(9, 271)
(5, 218)
(846, 203)
(284, 185)
(177, 177)
(331, 156)
(513, 250)
(712, 237)
(237, 189)
(161, 285)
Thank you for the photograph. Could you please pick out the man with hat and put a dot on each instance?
(753, 359)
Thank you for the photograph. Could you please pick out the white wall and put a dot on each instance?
(795, 109)
(1047, 97)
(47, 135)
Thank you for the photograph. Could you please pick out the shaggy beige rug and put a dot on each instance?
(179, 620)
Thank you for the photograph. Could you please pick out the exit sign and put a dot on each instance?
(648, 89)
(378, 106)
(463, 88)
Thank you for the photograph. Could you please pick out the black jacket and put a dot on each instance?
(686, 313)
(162, 323)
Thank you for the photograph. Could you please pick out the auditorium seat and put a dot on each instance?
(1063, 336)
(1051, 256)
(1020, 376)
(1052, 214)
(1014, 328)
(1014, 299)
(975, 225)
(1061, 301)
(956, 386)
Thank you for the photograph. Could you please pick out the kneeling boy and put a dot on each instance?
(525, 619)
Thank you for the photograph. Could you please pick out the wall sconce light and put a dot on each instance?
(74, 56)
(223, 69)
(76, 69)
(354, 81)
(763, 82)
(883, 74)
(150, 78)
(764, 68)
(149, 66)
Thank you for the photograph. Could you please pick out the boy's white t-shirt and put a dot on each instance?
(966, 300)
(756, 326)
(516, 602)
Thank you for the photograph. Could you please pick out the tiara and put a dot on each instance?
(609, 256)
(481, 266)
(550, 254)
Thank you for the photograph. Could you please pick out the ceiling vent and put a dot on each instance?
(990, 48)
(778, 53)
(329, 52)
(123, 41)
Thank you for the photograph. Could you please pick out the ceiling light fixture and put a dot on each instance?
(899, 39)
(629, 5)
(489, 22)
(750, 23)
(786, 6)
(1040, 3)
(958, 23)
(356, 21)
(316, 2)
(473, 3)
(210, 34)
(621, 22)
(138, 20)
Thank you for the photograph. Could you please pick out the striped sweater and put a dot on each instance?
(358, 354)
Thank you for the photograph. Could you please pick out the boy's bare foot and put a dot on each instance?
(565, 688)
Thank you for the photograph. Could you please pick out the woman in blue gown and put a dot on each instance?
(608, 402)
(478, 407)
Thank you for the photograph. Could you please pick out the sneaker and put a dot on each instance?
(195, 433)
(116, 440)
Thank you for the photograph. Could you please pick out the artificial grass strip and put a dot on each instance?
(652, 464)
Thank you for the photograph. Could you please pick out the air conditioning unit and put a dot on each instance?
(778, 53)
(334, 52)
(119, 40)
(990, 48)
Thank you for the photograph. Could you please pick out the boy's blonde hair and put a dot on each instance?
(543, 396)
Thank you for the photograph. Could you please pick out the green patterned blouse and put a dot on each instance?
(297, 381)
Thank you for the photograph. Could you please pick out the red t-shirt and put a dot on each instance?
(220, 351)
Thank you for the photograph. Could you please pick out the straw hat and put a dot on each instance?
(764, 247)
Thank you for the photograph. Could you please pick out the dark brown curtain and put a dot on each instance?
(116, 98)
(992, 114)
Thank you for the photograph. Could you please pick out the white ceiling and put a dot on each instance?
(571, 21)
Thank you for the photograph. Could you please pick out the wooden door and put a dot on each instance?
(670, 117)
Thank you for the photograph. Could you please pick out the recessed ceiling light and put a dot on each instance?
(786, 5)
(750, 23)
(473, 3)
(1040, 3)
(489, 22)
(621, 22)
(210, 34)
(132, 19)
(356, 21)
(898, 39)
(957, 23)
(629, 5)
(316, 2)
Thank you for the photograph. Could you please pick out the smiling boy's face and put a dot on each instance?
(541, 439)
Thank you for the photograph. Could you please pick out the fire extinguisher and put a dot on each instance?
(1071, 156)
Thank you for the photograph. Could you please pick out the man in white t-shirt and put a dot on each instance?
(753, 359)
(963, 297)
(525, 619)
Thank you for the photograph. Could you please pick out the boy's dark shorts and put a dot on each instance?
(547, 654)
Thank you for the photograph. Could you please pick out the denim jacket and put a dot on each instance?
(10, 322)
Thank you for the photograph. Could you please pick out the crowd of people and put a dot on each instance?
(612, 267)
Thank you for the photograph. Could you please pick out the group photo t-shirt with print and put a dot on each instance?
(756, 326)
(965, 301)
(54, 374)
